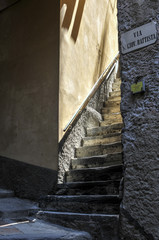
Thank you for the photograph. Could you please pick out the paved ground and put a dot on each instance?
(21, 229)
(17, 222)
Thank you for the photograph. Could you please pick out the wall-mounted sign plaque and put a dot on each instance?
(138, 87)
(139, 37)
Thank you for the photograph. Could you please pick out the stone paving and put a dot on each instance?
(18, 224)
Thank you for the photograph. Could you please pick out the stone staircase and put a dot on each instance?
(89, 200)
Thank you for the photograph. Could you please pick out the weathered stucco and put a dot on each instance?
(139, 209)
(89, 41)
(29, 49)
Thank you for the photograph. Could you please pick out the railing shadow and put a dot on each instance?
(69, 14)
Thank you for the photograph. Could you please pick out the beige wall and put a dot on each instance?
(89, 41)
(29, 82)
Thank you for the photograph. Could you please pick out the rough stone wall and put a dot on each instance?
(140, 206)
(90, 117)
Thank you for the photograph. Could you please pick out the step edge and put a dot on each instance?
(98, 156)
(96, 168)
(99, 145)
(80, 214)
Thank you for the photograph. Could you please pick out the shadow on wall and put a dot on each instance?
(6, 3)
(69, 14)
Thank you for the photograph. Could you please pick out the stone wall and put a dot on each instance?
(140, 206)
(90, 117)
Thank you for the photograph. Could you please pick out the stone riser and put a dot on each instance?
(6, 193)
(98, 150)
(100, 226)
(101, 140)
(97, 131)
(18, 213)
(89, 188)
(95, 174)
(115, 94)
(112, 117)
(112, 103)
(112, 99)
(82, 204)
(109, 110)
(116, 87)
(97, 161)
(13, 207)
(110, 122)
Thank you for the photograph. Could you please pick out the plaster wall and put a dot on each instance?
(139, 209)
(29, 70)
(6, 3)
(89, 41)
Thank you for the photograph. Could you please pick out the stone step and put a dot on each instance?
(103, 139)
(115, 94)
(112, 103)
(112, 109)
(98, 150)
(110, 122)
(97, 161)
(108, 204)
(116, 85)
(97, 131)
(6, 193)
(114, 98)
(116, 88)
(23, 229)
(13, 207)
(100, 226)
(94, 174)
(117, 80)
(112, 116)
(110, 187)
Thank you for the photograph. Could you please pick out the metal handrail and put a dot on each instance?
(105, 74)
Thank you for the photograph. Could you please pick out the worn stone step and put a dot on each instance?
(112, 116)
(115, 94)
(110, 122)
(94, 174)
(103, 139)
(116, 88)
(110, 187)
(98, 150)
(116, 85)
(112, 103)
(100, 226)
(13, 207)
(22, 229)
(97, 131)
(114, 98)
(4, 193)
(113, 109)
(108, 204)
(97, 161)
(117, 80)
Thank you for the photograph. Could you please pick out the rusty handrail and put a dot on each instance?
(105, 74)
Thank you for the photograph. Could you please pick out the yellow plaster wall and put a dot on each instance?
(88, 42)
